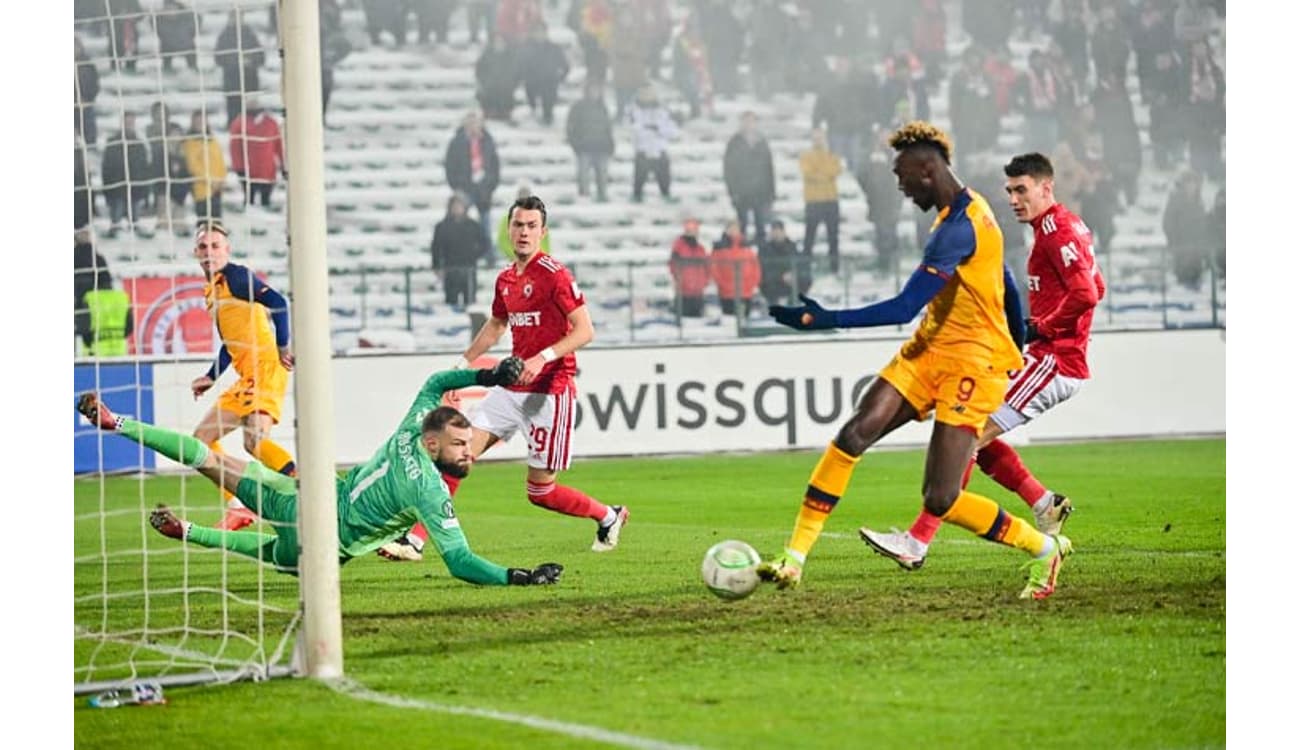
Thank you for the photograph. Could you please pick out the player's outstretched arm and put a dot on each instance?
(466, 566)
(923, 285)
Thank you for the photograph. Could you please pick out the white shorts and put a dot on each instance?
(1035, 389)
(546, 419)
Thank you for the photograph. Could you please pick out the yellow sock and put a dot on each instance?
(274, 457)
(984, 517)
(825, 487)
(230, 499)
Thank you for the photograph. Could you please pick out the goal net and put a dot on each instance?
(177, 102)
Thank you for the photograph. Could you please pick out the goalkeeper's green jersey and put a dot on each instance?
(383, 497)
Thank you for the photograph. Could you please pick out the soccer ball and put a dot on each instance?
(730, 569)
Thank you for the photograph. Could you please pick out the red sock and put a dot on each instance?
(926, 525)
(566, 500)
(970, 469)
(1001, 462)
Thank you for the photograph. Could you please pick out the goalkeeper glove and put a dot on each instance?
(544, 574)
(806, 317)
(506, 372)
(1031, 332)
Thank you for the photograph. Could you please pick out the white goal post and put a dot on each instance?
(147, 607)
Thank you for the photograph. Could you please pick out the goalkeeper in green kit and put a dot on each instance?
(377, 501)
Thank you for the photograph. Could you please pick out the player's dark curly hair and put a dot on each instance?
(1032, 164)
(918, 133)
(529, 203)
(438, 419)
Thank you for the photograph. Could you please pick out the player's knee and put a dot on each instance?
(939, 500)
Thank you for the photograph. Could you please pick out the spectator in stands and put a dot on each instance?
(177, 27)
(1036, 97)
(1153, 35)
(515, 18)
(1186, 228)
(987, 22)
(724, 38)
(627, 65)
(875, 176)
(86, 265)
(481, 14)
(903, 98)
(84, 93)
(1168, 97)
(1218, 232)
(167, 166)
(1120, 142)
(206, 167)
(593, 22)
(1111, 45)
(770, 32)
(497, 75)
(257, 152)
(474, 170)
(124, 172)
(689, 266)
(334, 46)
(847, 106)
(545, 67)
(240, 56)
(503, 243)
(655, 21)
(691, 73)
(386, 15)
(973, 108)
(458, 243)
(653, 128)
(83, 198)
(821, 169)
(433, 17)
(734, 267)
(591, 136)
(1205, 113)
(1071, 34)
(785, 271)
(930, 36)
(1194, 20)
(125, 17)
(749, 176)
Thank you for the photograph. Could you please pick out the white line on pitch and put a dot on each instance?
(355, 689)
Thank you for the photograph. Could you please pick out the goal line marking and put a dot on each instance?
(354, 689)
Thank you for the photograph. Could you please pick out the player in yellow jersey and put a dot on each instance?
(956, 365)
(245, 309)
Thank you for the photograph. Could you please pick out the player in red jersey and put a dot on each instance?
(1065, 286)
(538, 301)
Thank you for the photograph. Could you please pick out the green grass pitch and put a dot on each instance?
(1129, 653)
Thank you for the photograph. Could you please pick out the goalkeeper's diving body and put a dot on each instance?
(377, 500)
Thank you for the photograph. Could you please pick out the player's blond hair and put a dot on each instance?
(921, 133)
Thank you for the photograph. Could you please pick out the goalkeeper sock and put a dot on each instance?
(566, 500)
(983, 516)
(184, 449)
(272, 455)
(249, 543)
(1001, 462)
(829, 480)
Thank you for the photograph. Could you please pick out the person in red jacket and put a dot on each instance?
(736, 270)
(256, 152)
(689, 265)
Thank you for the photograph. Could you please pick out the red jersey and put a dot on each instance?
(1064, 288)
(536, 305)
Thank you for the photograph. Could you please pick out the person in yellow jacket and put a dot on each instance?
(103, 318)
(821, 198)
(206, 166)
